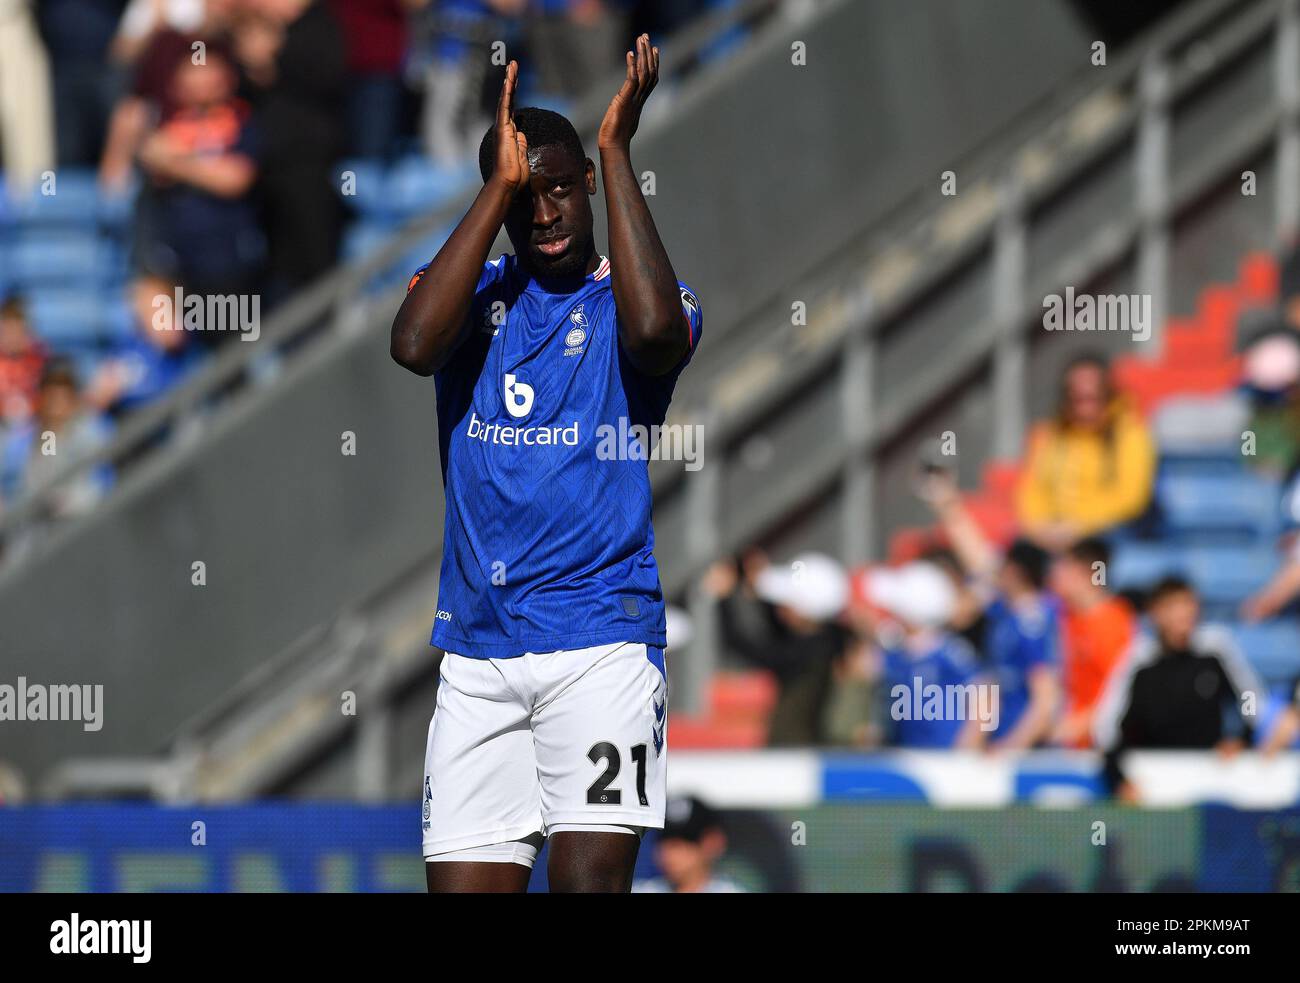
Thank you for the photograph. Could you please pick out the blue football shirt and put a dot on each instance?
(910, 676)
(1018, 640)
(541, 419)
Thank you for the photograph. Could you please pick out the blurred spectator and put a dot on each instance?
(60, 431)
(575, 43)
(197, 222)
(796, 636)
(688, 848)
(26, 108)
(147, 365)
(1097, 629)
(449, 62)
(1271, 371)
(1283, 587)
(22, 357)
(149, 102)
(77, 34)
(1180, 688)
(1021, 634)
(917, 655)
(1280, 591)
(1286, 727)
(1090, 468)
(853, 710)
(144, 19)
(293, 55)
(376, 37)
(968, 617)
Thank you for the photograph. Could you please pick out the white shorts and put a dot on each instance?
(549, 739)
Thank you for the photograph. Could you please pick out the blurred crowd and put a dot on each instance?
(88, 82)
(219, 127)
(1021, 642)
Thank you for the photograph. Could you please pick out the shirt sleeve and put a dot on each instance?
(486, 292)
(649, 395)
(694, 315)
(492, 273)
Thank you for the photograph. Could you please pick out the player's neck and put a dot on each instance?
(562, 284)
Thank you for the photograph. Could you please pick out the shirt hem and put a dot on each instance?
(515, 648)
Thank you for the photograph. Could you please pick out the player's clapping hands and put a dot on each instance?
(512, 146)
(624, 112)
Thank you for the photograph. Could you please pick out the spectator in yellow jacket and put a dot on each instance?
(1090, 467)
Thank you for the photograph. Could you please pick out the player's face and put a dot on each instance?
(549, 222)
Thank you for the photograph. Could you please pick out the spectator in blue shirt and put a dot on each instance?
(1022, 634)
(927, 670)
(60, 431)
(157, 358)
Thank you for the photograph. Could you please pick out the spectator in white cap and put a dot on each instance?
(795, 633)
(927, 670)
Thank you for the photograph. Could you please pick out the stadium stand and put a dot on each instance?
(905, 283)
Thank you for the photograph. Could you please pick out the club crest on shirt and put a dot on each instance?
(577, 334)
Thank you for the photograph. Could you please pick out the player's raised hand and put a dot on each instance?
(624, 112)
(512, 146)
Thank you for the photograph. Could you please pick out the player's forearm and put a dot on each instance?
(430, 318)
(652, 327)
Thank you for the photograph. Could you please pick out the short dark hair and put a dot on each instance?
(1031, 560)
(59, 371)
(13, 306)
(542, 127)
(1167, 587)
(1089, 551)
(943, 556)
